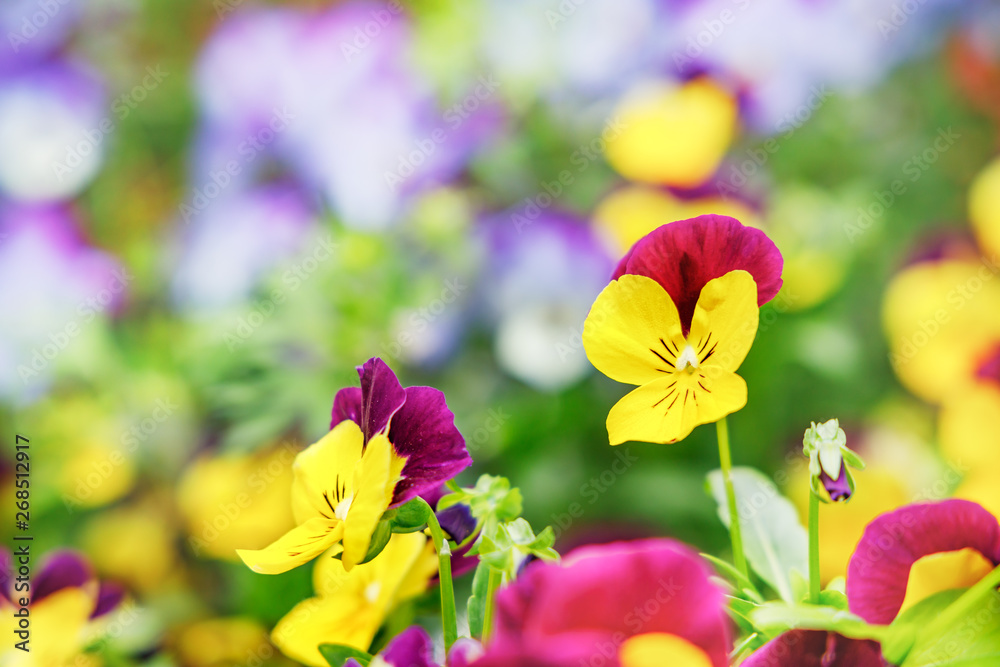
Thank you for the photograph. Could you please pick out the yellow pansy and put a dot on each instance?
(634, 334)
(351, 605)
(342, 486)
(673, 134)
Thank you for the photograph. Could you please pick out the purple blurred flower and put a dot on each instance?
(543, 272)
(362, 127)
(53, 127)
(34, 29)
(55, 284)
(60, 570)
(420, 425)
(235, 241)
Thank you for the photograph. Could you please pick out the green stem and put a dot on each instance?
(449, 615)
(813, 548)
(739, 559)
(491, 593)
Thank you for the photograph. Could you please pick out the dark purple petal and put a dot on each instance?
(683, 256)
(879, 569)
(61, 569)
(373, 405)
(594, 596)
(424, 432)
(814, 648)
(410, 648)
(434, 495)
(109, 596)
(457, 521)
(839, 489)
(462, 562)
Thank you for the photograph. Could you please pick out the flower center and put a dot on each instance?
(343, 507)
(688, 358)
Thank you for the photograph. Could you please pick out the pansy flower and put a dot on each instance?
(350, 607)
(66, 604)
(386, 446)
(678, 319)
(628, 604)
(904, 557)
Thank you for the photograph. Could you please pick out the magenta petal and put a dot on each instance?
(616, 590)
(879, 569)
(410, 648)
(61, 569)
(373, 405)
(814, 648)
(424, 432)
(683, 256)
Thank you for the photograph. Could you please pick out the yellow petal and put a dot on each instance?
(324, 469)
(941, 319)
(968, 428)
(372, 487)
(944, 572)
(725, 322)
(656, 649)
(633, 331)
(671, 134)
(325, 621)
(668, 409)
(984, 207)
(420, 572)
(296, 547)
(58, 623)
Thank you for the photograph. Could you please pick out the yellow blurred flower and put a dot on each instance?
(984, 208)
(631, 212)
(237, 500)
(673, 134)
(219, 642)
(134, 543)
(351, 606)
(942, 319)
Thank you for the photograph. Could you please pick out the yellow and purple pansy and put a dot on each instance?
(66, 603)
(386, 446)
(678, 319)
(904, 557)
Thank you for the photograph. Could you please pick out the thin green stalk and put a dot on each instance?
(813, 548)
(496, 577)
(449, 615)
(725, 459)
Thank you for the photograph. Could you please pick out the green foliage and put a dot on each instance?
(338, 654)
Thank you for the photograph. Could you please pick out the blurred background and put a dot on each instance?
(212, 211)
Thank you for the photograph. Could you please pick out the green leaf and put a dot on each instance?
(773, 618)
(740, 582)
(774, 540)
(409, 517)
(477, 601)
(972, 641)
(338, 654)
